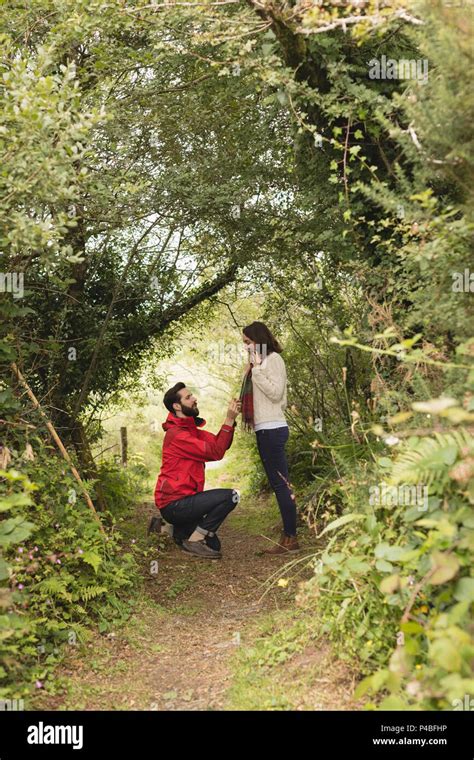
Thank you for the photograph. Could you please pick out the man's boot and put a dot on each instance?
(200, 549)
(156, 525)
(213, 541)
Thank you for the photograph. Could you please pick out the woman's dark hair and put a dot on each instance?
(259, 333)
(172, 396)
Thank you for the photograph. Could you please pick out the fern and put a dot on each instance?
(90, 592)
(54, 587)
(429, 459)
(81, 631)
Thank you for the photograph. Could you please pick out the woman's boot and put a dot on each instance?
(285, 545)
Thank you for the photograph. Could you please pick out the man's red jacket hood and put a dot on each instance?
(186, 449)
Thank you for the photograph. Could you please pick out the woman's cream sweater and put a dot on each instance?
(269, 389)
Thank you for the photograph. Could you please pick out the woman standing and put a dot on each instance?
(263, 399)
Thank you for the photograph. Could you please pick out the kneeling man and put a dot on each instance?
(195, 513)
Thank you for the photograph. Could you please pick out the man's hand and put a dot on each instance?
(233, 410)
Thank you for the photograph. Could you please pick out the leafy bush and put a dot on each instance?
(121, 485)
(59, 574)
(394, 586)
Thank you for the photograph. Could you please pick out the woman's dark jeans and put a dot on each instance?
(271, 447)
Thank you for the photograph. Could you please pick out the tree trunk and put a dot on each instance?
(87, 463)
(74, 434)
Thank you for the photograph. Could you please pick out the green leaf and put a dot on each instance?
(411, 627)
(446, 567)
(464, 591)
(390, 584)
(4, 574)
(445, 653)
(393, 703)
(344, 520)
(14, 500)
(371, 683)
(357, 565)
(390, 553)
(15, 530)
(92, 558)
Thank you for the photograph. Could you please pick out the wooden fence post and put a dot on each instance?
(124, 445)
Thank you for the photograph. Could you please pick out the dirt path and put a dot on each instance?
(177, 651)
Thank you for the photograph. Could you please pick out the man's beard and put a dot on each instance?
(190, 411)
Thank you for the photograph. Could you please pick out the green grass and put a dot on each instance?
(76, 694)
(179, 586)
(259, 679)
(236, 469)
(256, 516)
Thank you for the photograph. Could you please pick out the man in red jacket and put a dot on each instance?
(179, 492)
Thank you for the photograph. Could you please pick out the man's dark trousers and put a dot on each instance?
(204, 511)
